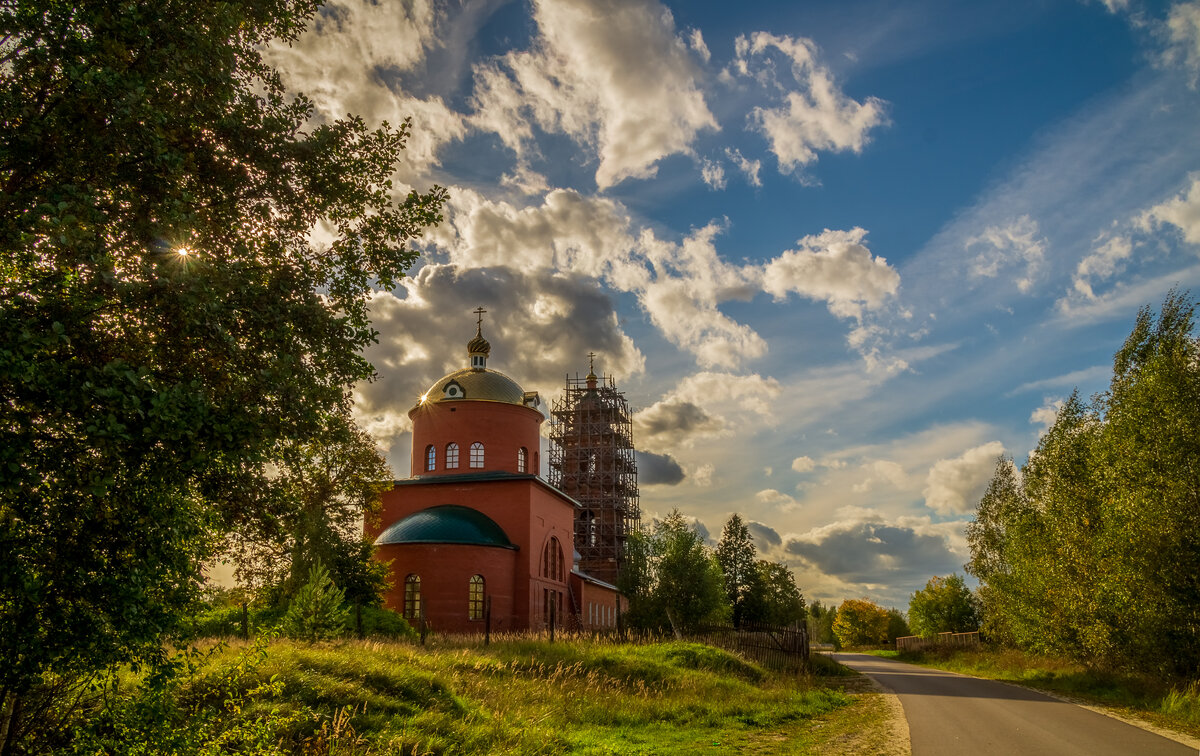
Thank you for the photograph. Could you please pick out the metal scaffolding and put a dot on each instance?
(592, 460)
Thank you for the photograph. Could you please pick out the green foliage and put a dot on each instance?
(820, 624)
(1094, 552)
(317, 612)
(897, 625)
(774, 598)
(378, 622)
(145, 394)
(944, 605)
(514, 696)
(321, 491)
(756, 590)
(671, 579)
(736, 555)
(226, 622)
(688, 581)
(860, 622)
(233, 715)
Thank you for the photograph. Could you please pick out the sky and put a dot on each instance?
(839, 256)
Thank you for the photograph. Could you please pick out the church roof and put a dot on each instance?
(448, 523)
(476, 383)
(488, 476)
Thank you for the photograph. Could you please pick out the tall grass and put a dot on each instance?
(517, 695)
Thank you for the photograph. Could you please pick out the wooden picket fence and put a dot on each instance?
(774, 646)
(952, 640)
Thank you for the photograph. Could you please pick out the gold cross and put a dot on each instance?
(479, 311)
(591, 362)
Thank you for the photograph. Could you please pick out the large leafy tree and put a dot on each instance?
(1094, 552)
(671, 578)
(944, 605)
(167, 326)
(688, 581)
(860, 622)
(775, 599)
(321, 492)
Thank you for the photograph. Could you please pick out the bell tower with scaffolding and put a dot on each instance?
(592, 460)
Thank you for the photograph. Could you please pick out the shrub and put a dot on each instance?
(317, 612)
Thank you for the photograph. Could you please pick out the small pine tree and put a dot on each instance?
(316, 613)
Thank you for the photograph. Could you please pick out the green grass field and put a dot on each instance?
(520, 696)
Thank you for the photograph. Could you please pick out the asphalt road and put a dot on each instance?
(958, 715)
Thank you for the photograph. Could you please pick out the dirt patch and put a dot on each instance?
(882, 729)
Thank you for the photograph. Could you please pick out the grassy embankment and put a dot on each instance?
(1174, 704)
(514, 696)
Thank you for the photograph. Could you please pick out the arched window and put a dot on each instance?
(522, 455)
(552, 561)
(452, 456)
(412, 596)
(537, 464)
(477, 455)
(430, 458)
(475, 597)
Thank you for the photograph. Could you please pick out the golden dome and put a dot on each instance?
(479, 345)
(476, 384)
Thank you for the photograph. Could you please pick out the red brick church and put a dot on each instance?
(477, 522)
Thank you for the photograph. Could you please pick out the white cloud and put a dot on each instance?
(611, 74)
(817, 116)
(804, 464)
(1182, 211)
(1183, 37)
(1105, 260)
(680, 285)
(713, 173)
(750, 168)
(567, 231)
(703, 475)
(881, 471)
(1047, 414)
(1123, 298)
(682, 296)
(338, 64)
(1005, 248)
(736, 396)
(696, 40)
(1073, 378)
(955, 485)
(1177, 216)
(777, 500)
(834, 267)
(525, 180)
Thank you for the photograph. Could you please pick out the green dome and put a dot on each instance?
(448, 523)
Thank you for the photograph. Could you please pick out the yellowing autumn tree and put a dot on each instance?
(861, 622)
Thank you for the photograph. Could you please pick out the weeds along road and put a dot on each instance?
(954, 714)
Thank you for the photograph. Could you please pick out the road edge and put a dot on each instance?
(897, 725)
(1142, 724)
